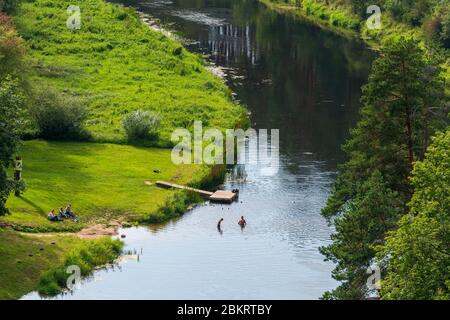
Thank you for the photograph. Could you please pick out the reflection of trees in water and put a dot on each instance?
(229, 43)
(296, 77)
(306, 82)
(238, 173)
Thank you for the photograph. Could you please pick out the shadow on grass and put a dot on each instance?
(34, 205)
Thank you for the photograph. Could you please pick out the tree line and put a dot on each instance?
(432, 16)
(391, 200)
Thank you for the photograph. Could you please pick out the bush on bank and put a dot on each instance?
(59, 116)
(86, 256)
(141, 124)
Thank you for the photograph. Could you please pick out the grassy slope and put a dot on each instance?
(102, 181)
(23, 258)
(120, 65)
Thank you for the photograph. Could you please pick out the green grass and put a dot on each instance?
(87, 256)
(119, 65)
(103, 182)
(23, 258)
(331, 17)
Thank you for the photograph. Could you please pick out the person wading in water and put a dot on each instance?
(242, 222)
(219, 225)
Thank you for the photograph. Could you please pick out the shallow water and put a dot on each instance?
(294, 77)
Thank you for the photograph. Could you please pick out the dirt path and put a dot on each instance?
(91, 232)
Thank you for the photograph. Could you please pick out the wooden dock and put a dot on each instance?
(218, 196)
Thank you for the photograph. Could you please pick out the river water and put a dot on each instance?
(294, 77)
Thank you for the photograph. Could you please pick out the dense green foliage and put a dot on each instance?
(402, 106)
(418, 252)
(373, 211)
(11, 109)
(12, 101)
(86, 256)
(58, 116)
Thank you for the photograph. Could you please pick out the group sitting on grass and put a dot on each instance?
(62, 214)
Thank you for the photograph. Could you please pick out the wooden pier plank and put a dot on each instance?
(218, 196)
(223, 196)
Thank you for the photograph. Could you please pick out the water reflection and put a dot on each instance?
(294, 77)
(291, 75)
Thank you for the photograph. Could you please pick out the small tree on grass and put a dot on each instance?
(141, 124)
(11, 106)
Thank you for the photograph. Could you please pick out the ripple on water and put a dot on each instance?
(200, 17)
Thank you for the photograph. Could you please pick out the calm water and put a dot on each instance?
(294, 77)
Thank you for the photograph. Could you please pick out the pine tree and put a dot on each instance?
(417, 255)
(394, 130)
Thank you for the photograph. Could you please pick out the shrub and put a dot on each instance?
(86, 256)
(59, 116)
(141, 125)
(173, 208)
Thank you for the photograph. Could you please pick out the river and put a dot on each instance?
(294, 77)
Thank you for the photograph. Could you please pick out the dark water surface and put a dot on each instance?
(293, 77)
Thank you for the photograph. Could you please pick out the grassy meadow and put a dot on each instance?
(334, 18)
(103, 182)
(119, 65)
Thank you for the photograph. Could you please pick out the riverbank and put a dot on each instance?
(333, 19)
(24, 258)
(103, 182)
(117, 65)
(342, 21)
